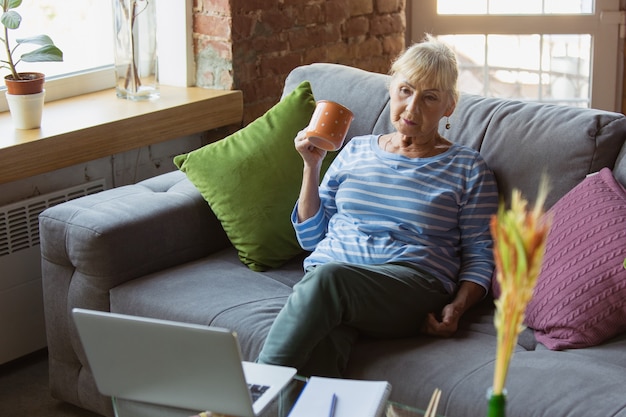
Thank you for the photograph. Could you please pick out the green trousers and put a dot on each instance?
(334, 303)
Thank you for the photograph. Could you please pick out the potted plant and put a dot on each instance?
(24, 88)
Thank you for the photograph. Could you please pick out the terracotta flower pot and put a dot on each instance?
(25, 98)
(30, 83)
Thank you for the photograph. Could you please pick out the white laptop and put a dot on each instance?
(175, 364)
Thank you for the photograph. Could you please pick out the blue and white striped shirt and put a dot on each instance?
(380, 207)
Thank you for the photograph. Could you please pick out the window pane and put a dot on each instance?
(548, 68)
(81, 28)
(525, 7)
(462, 6)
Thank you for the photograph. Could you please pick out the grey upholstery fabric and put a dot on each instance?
(620, 166)
(156, 249)
(520, 141)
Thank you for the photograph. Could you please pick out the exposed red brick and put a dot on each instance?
(260, 88)
(309, 14)
(299, 38)
(304, 38)
(371, 47)
(279, 65)
(265, 39)
(337, 11)
(299, 3)
(244, 6)
(386, 24)
(393, 45)
(243, 26)
(357, 26)
(312, 55)
(221, 49)
(361, 7)
(271, 44)
(389, 6)
(218, 26)
(245, 72)
(339, 52)
(256, 110)
(379, 64)
(277, 20)
(332, 33)
(214, 6)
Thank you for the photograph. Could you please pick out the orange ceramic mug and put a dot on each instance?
(329, 125)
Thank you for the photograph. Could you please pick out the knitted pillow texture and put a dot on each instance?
(580, 296)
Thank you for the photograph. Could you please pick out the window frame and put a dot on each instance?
(177, 17)
(603, 26)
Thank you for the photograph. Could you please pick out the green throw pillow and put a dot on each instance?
(252, 179)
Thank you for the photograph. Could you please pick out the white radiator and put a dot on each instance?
(22, 328)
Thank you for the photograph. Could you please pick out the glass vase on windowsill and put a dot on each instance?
(135, 49)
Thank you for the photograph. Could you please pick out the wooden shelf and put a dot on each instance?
(96, 125)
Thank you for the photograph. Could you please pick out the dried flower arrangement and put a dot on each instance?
(519, 237)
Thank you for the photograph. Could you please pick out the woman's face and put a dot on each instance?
(416, 108)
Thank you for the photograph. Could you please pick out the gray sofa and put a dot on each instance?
(156, 249)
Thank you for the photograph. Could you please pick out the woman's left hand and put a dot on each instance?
(447, 326)
(467, 295)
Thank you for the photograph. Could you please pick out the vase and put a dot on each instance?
(496, 404)
(135, 49)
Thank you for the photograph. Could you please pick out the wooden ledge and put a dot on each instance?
(97, 125)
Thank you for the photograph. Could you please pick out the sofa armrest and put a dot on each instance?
(94, 243)
(124, 233)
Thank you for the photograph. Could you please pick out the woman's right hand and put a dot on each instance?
(311, 155)
(309, 199)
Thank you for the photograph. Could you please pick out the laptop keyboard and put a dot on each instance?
(257, 390)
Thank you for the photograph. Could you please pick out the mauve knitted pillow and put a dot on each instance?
(580, 297)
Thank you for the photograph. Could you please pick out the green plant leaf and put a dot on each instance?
(14, 4)
(11, 19)
(37, 40)
(47, 53)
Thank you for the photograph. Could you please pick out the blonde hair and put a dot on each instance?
(429, 61)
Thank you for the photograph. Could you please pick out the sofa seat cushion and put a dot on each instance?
(217, 291)
(463, 368)
(416, 366)
(545, 383)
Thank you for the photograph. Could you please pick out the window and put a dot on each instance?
(559, 51)
(83, 30)
(65, 22)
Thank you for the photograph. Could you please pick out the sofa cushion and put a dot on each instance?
(520, 142)
(190, 294)
(251, 180)
(580, 297)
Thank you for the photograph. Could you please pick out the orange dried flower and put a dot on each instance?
(519, 237)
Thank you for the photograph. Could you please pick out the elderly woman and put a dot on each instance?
(398, 228)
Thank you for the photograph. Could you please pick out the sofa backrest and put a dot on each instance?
(519, 140)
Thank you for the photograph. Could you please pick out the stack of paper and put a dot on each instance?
(351, 398)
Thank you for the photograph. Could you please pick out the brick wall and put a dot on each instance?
(252, 45)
